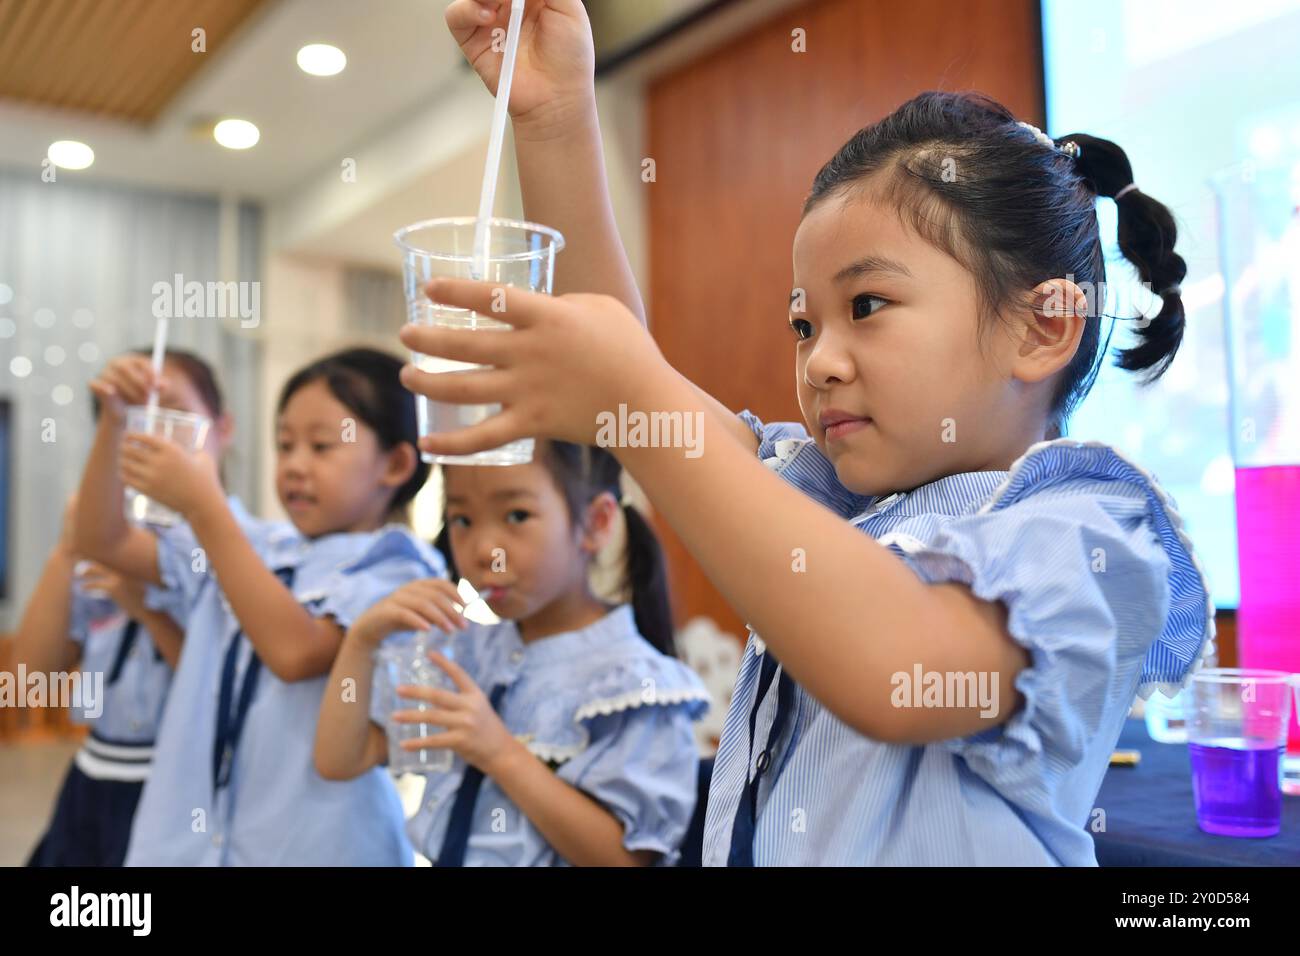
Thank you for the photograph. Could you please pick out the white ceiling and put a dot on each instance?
(399, 56)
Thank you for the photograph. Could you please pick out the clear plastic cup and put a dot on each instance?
(520, 254)
(1165, 717)
(186, 429)
(1236, 730)
(407, 662)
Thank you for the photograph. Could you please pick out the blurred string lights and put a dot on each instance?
(235, 133)
(24, 368)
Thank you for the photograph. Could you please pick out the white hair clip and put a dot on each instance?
(1039, 134)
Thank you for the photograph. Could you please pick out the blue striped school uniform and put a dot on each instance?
(610, 714)
(97, 801)
(1101, 585)
(232, 792)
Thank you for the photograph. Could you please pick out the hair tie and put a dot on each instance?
(1174, 289)
(1125, 191)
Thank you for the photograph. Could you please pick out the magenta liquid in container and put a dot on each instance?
(1259, 250)
(1236, 729)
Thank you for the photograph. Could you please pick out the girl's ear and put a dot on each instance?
(599, 522)
(401, 464)
(1049, 330)
(224, 427)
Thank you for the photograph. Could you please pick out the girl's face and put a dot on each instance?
(330, 473)
(888, 339)
(511, 536)
(184, 397)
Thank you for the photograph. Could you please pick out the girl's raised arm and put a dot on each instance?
(42, 643)
(102, 530)
(558, 147)
(347, 742)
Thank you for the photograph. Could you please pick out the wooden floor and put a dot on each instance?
(30, 775)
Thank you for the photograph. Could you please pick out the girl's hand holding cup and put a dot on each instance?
(417, 606)
(179, 479)
(555, 342)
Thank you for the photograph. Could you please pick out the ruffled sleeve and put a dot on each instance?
(642, 765)
(1101, 588)
(182, 569)
(396, 557)
(84, 609)
(776, 441)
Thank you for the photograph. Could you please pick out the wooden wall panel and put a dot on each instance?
(737, 137)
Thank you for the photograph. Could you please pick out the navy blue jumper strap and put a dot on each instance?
(230, 726)
(455, 841)
(742, 828)
(129, 634)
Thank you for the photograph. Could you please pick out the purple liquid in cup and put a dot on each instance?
(1236, 786)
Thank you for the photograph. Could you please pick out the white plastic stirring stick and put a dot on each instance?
(493, 165)
(159, 349)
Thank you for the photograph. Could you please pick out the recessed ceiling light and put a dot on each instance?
(69, 154)
(236, 134)
(321, 59)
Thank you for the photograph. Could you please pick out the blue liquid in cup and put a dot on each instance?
(1237, 786)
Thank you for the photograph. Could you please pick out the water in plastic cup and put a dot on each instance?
(186, 429)
(1236, 725)
(520, 254)
(407, 662)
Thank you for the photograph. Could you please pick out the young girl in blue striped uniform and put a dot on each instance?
(571, 721)
(96, 620)
(267, 604)
(925, 525)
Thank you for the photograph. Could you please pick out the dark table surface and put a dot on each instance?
(1151, 820)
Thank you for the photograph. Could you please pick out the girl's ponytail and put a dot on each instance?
(582, 472)
(648, 579)
(1147, 234)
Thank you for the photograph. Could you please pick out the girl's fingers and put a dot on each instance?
(471, 14)
(439, 587)
(406, 619)
(478, 387)
(500, 429)
(436, 716)
(453, 670)
(518, 307)
(432, 608)
(103, 388)
(462, 345)
(440, 697)
(430, 600)
(443, 741)
(448, 619)
(142, 447)
(140, 376)
(434, 616)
